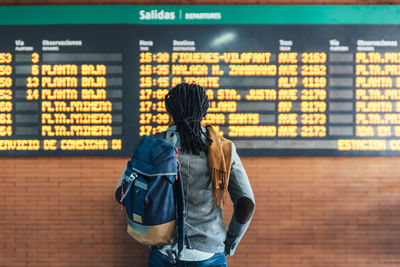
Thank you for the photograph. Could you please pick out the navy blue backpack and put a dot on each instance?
(151, 192)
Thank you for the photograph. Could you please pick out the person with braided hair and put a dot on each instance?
(210, 167)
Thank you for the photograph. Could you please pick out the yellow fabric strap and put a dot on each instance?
(219, 163)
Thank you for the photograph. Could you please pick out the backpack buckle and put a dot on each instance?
(132, 177)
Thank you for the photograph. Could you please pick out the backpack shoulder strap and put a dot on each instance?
(182, 238)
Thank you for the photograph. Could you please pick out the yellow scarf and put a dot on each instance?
(219, 163)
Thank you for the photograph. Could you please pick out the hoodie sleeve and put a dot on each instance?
(242, 197)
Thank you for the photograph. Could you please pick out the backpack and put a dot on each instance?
(151, 192)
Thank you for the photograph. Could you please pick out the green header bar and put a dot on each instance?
(184, 15)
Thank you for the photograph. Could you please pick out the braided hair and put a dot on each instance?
(188, 104)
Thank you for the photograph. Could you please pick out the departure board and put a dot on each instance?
(274, 89)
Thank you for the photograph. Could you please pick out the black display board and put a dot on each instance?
(273, 89)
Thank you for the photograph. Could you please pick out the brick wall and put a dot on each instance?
(310, 212)
(321, 211)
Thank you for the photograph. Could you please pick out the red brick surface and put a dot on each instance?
(309, 212)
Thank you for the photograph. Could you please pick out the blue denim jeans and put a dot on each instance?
(157, 259)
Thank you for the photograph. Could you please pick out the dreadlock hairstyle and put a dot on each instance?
(188, 104)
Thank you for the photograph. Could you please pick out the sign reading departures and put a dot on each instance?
(278, 81)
